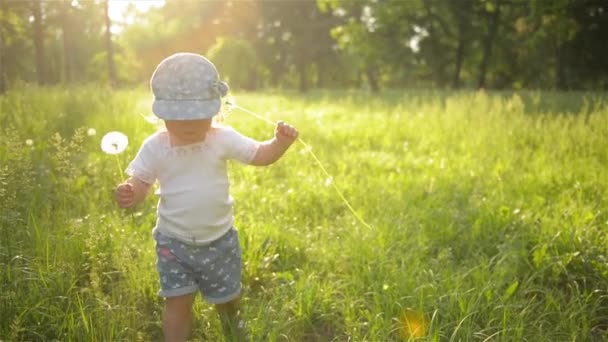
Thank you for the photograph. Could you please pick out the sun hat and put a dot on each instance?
(186, 86)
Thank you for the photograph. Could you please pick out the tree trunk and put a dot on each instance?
(372, 78)
(436, 60)
(252, 80)
(321, 78)
(560, 72)
(110, 48)
(359, 79)
(67, 41)
(274, 78)
(303, 77)
(487, 48)
(3, 85)
(2, 67)
(463, 13)
(459, 59)
(39, 42)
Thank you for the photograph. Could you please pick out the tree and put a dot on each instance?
(492, 17)
(236, 61)
(293, 38)
(65, 22)
(3, 13)
(463, 13)
(301, 44)
(583, 48)
(109, 46)
(357, 35)
(40, 51)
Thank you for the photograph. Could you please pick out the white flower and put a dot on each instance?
(29, 142)
(91, 132)
(114, 142)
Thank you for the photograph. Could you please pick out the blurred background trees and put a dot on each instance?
(303, 44)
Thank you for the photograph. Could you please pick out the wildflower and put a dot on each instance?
(91, 132)
(29, 142)
(114, 142)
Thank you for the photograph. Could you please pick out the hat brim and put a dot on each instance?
(186, 109)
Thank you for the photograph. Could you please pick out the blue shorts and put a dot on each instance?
(214, 269)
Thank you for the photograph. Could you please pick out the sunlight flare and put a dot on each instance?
(413, 324)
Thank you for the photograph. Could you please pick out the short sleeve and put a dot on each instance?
(237, 146)
(145, 165)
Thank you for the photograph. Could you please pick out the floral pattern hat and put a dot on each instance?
(186, 86)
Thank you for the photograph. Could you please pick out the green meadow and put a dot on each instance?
(484, 217)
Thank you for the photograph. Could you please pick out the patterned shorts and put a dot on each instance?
(214, 269)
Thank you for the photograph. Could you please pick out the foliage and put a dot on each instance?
(237, 61)
(129, 69)
(326, 43)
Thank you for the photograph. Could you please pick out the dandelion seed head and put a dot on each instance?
(29, 142)
(91, 132)
(306, 149)
(230, 103)
(114, 142)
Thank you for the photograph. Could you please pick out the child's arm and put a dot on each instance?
(131, 192)
(271, 150)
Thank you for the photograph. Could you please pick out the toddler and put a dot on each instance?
(197, 245)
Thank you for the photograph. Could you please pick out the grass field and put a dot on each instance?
(487, 213)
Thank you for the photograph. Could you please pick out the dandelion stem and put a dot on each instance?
(122, 174)
(254, 114)
(333, 183)
(122, 177)
(309, 149)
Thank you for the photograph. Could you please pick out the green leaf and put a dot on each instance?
(510, 290)
(490, 7)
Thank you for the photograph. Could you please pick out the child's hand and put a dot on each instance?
(125, 195)
(285, 133)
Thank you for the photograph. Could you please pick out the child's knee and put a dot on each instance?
(180, 303)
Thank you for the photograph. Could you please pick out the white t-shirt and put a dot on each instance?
(195, 205)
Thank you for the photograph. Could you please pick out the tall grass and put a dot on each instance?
(488, 216)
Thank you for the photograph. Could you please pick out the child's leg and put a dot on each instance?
(177, 318)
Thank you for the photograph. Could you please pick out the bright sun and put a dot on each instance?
(117, 10)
